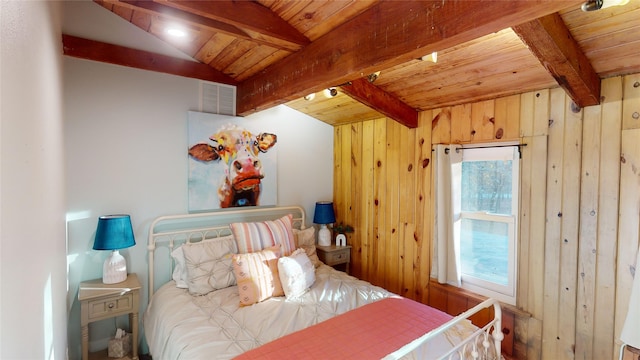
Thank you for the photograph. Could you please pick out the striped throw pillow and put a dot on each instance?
(255, 236)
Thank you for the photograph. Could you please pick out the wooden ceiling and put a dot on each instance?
(278, 51)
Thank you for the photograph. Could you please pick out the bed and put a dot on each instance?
(213, 294)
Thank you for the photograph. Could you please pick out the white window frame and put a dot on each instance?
(504, 151)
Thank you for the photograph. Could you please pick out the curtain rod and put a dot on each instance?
(490, 146)
(446, 151)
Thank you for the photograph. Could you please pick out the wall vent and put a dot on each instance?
(217, 98)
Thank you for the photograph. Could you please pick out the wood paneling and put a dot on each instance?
(572, 149)
(607, 219)
(599, 223)
(631, 105)
(389, 165)
(454, 301)
(628, 227)
(579, 224)
(590, 177)
(533, 174)
(423, 207)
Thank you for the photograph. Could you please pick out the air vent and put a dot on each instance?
(217, 98)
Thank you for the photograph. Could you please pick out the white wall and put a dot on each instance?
(32, 230)
(126, 151)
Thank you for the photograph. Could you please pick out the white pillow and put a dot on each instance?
(209, 266)
(297, 273)
(180, 275)
(179, 271)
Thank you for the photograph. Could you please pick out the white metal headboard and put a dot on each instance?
(172, 230)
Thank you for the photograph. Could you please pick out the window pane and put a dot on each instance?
(486, 186)
(484, 250)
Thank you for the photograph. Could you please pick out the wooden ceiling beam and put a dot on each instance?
(279, 34)
(385, 35)
(257, 20)
(368, 94)
(120, 55)
(550, 41)
(156, 9)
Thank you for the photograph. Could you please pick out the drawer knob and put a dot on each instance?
(111, 305)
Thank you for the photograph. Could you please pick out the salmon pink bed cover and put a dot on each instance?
(369, 332)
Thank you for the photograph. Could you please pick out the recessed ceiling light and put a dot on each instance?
(330, 92)
(176, 32)
(592, 5)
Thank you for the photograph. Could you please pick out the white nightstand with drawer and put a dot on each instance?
(100, 301)
(335, 255)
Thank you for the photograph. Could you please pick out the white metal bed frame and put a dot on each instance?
(477, 345)
(172, 230)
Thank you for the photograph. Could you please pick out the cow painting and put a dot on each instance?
(238, 150)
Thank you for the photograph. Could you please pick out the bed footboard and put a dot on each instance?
(483, 344)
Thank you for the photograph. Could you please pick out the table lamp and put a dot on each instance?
(114, 232)
(324, 215)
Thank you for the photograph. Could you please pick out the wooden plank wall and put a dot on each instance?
(580, 206)
(382, 188)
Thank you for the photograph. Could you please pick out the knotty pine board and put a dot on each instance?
(608, 205)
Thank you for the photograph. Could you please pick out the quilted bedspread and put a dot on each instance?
(213, 326)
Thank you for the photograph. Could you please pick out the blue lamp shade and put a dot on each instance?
(324, 215)
(114, 232)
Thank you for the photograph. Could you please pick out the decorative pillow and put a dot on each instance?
(297, 273)
(179, 270)
(255, 236)
(306, 239)
(257, 275)
(208, 265)
(180, 275)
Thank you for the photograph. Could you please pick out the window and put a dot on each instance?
(488, 192)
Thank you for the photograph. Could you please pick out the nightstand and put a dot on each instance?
(335, 255)
(100, 301)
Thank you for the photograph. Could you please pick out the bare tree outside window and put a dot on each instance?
(488, 191)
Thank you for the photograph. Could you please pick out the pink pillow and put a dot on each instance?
(255, 236)
(257, 275)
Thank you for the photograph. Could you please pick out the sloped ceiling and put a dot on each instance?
(278, 51)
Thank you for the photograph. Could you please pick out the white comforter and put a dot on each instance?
(180, 326)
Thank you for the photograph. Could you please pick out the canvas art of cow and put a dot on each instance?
(238, 149)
